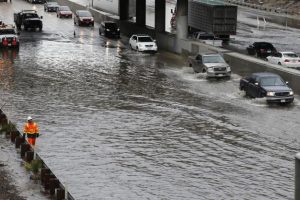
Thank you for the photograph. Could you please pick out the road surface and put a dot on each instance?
(117, 124)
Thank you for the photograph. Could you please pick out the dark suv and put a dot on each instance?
(261, 49)
(109, 29)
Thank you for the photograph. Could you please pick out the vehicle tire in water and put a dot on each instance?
(279, 63)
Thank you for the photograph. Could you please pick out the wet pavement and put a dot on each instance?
(117, 124)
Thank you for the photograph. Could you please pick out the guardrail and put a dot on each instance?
(259, 7)
(50, 182)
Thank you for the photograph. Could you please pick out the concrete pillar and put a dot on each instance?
(60, 194)
(124, 9)
(160, 15)
(182, 18)
(24, 149)
(141, 12)
(297, 176)
(53, 184)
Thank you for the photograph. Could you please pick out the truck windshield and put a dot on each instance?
(7, 31)
(213, 59)
(271, 81)
(31, 15)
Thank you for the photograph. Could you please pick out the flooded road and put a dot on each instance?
(117, 124)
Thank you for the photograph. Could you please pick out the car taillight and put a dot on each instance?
(5, 42)
(286, 60)
(14, 42)
(262, 50)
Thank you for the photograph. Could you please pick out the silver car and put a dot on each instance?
(212, 64)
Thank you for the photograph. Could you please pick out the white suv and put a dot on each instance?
(143, 43)
(8, 36)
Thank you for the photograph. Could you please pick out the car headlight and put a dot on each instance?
(210, 69)
(92, 19)
(107, 29)
(118, 29)
(228, 69)
(270, 94)
(291, 93)
(81, 19)
(140, 45)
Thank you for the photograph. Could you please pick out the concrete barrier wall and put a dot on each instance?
(244, 65)
(51, 185)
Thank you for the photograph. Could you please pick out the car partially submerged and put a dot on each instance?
(268, 85)
(109, 29)
(286, 59)
(83, 18)
(144, 43)
(8, 36)
(210, 63)
(64, 11)
(261, 49)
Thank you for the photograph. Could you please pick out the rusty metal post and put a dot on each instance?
(24, 149)
(44, 171)
(53, 184)
(13, 136)
(18, 142)
(29, 156)
(297, 176)
(60, 194)
(47, 180)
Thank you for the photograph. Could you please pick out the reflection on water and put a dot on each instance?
(126, 125)
(7, 76)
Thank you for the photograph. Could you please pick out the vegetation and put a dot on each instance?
(8, 128)
(34, 166)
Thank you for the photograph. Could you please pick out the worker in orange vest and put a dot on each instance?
(31, 130)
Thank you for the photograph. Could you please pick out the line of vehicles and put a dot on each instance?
(268, 85)
(267, 51)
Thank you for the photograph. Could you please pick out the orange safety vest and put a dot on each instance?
(31, 128)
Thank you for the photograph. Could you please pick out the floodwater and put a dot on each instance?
(117, 124)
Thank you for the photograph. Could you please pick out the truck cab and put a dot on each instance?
(29, 19)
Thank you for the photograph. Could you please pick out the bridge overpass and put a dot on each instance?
(160, 15)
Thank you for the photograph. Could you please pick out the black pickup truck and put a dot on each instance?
(29, 19)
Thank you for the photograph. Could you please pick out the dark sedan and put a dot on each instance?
(51, 6)
(109, 29)
(269, 85)
(261, 49)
